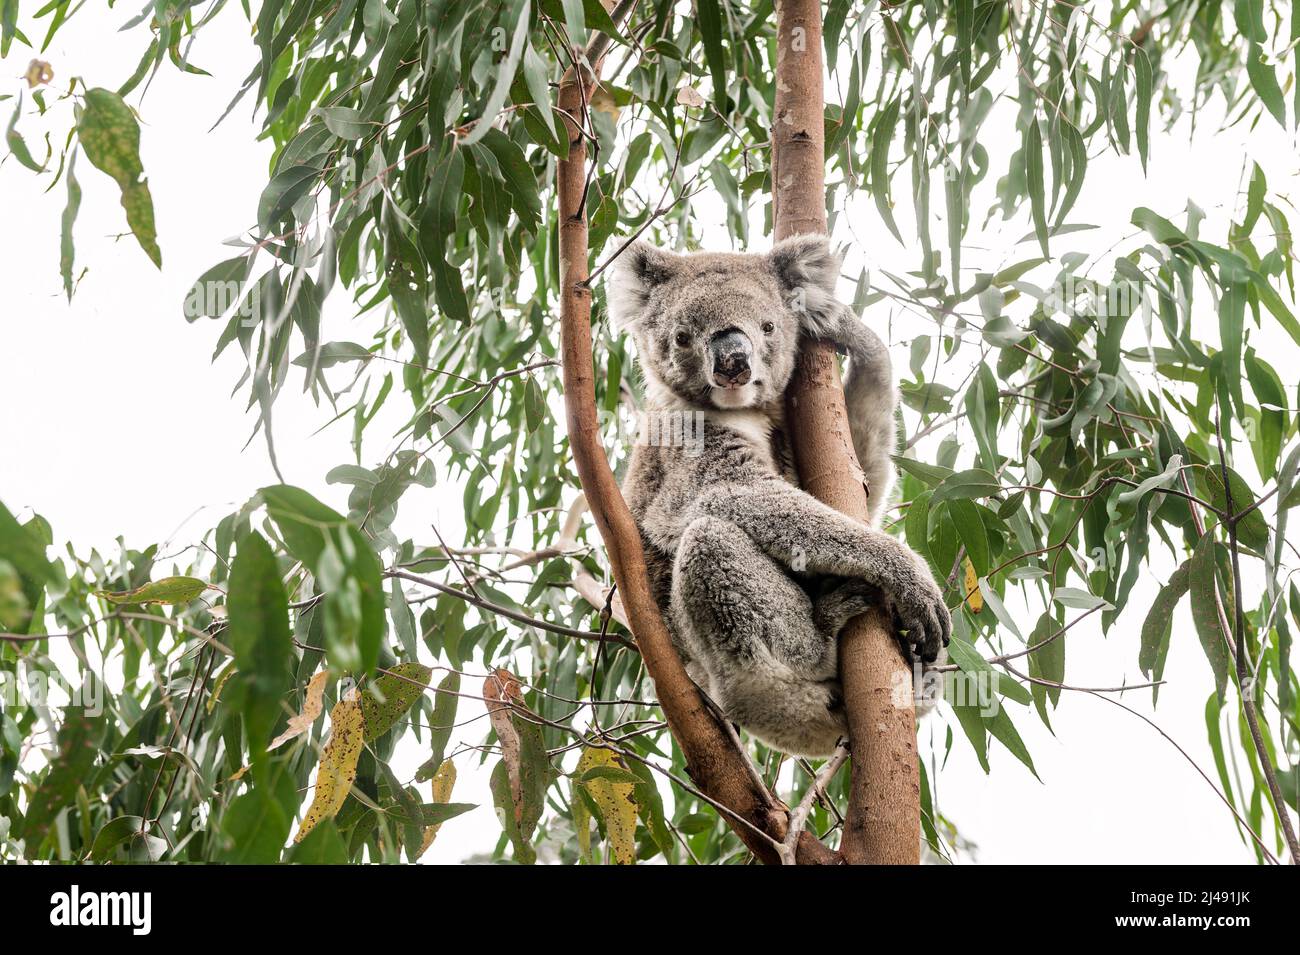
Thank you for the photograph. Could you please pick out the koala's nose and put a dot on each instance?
(731, 351)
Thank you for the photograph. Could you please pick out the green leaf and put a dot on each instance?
(110, 136)
(217, 290)
(537, 79)
(344, 122)
(21, 548)
(1264, 81)
(1046, 663)
(970, 528)
(1159, 623)
(284, 190)
(403, 619)
(258, 635)
(1004, 731)
(167, 590)
(1232, 321)
(255, 826)
(322, 846)
(709, 20)
(505, 74)
(499, 782)
(1267, 385)
(78, 747)
(1272, 301)
(18, 145)
(346, 569)
(519, 177)
(881, 136)
(994, 603)
(1160, 228)
(441, 725)
(1078, 599)
(1033, 151)
(1252, 530)
(609, 773)
(534, 404)
(437, 223)
(15, 611)
(1142, 109)
(332, 353)
(8, 24)
(67, 251)
(1205, 610)
(129, 829)
(1163, 479)
(968, 713)
(930, 474)
(971, 483)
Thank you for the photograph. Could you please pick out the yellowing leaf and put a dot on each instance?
(338, 763)
(38, 73)
(604, 101)
(598, 772)
(974, 599)
(110, 136)
(520, 780)
(500, 690)
(300, 723)
(443, 781)
(168, 590)
(690, 96)
(219, 684)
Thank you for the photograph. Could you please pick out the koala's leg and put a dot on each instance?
(800, 532)
(770, 667)
(871, 398)
(842, 600)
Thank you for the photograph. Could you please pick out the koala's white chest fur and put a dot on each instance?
(755, 426)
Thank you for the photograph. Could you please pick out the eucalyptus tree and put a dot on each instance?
(1072, 420)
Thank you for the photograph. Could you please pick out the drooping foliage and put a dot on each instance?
(1071, 420)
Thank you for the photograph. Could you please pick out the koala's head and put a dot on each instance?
(721, 329)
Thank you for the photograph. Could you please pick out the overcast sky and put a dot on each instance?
(114, 422)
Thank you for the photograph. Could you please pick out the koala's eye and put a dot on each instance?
(768, 328)
(683, 339)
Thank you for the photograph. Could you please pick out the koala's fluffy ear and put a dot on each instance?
(809, 272)
(633, 276)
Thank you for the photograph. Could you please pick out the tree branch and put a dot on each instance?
(799, 817)
(1245, 683)
(715, 763)
(883, 824)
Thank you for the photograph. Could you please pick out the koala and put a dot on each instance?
(755, 577)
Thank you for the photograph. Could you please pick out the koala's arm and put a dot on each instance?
(871, 398)
(805, 535)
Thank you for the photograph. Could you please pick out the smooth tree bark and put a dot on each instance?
(883, 822)
(715, 760)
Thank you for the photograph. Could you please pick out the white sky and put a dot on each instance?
(113, 421)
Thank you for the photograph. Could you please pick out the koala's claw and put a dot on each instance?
(919, 610)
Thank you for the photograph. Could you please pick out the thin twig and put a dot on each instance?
(799, 815)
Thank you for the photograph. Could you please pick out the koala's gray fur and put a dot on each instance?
(756, 577)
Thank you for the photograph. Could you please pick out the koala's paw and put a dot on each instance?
(920, 612)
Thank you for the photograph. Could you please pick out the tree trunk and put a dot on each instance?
(883, 824)
(714, 760)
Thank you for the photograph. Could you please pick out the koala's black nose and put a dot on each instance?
(731, 351)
